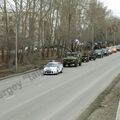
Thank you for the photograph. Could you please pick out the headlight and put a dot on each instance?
(44, 69)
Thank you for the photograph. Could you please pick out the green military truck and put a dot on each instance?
(72, 58)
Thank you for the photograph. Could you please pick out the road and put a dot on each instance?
(60, 97)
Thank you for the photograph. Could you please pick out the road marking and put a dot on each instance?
(8, 98)
(118, 112)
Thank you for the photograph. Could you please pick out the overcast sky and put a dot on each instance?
(114, 5)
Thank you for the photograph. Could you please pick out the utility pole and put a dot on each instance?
(114, 35)
(16, 40)
(106, 35)
(69, 22)
(93, 33)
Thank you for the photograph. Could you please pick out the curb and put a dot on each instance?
(118, 112)
(18, 74)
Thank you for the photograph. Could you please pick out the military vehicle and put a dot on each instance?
(92, 55)
(85, 57)
(72, 58)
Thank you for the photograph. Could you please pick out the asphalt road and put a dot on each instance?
(59, 97)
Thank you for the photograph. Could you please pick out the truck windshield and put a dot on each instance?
(70, 54)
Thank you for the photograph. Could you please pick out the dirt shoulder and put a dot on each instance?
(106, 105)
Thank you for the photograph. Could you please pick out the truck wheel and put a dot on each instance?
(64, 65)
(79, 63)
(88, 60)
(68, 65)
(76, 64)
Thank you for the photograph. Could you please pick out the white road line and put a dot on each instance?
(8, 98)
(118, 112)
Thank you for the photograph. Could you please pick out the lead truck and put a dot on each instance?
(72, 58)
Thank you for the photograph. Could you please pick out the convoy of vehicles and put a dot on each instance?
(76, 59)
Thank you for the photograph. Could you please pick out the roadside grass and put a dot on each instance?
(31, 62)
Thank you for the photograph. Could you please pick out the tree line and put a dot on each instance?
(40, 29)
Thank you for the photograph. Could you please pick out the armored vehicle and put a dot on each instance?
(72, 58)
